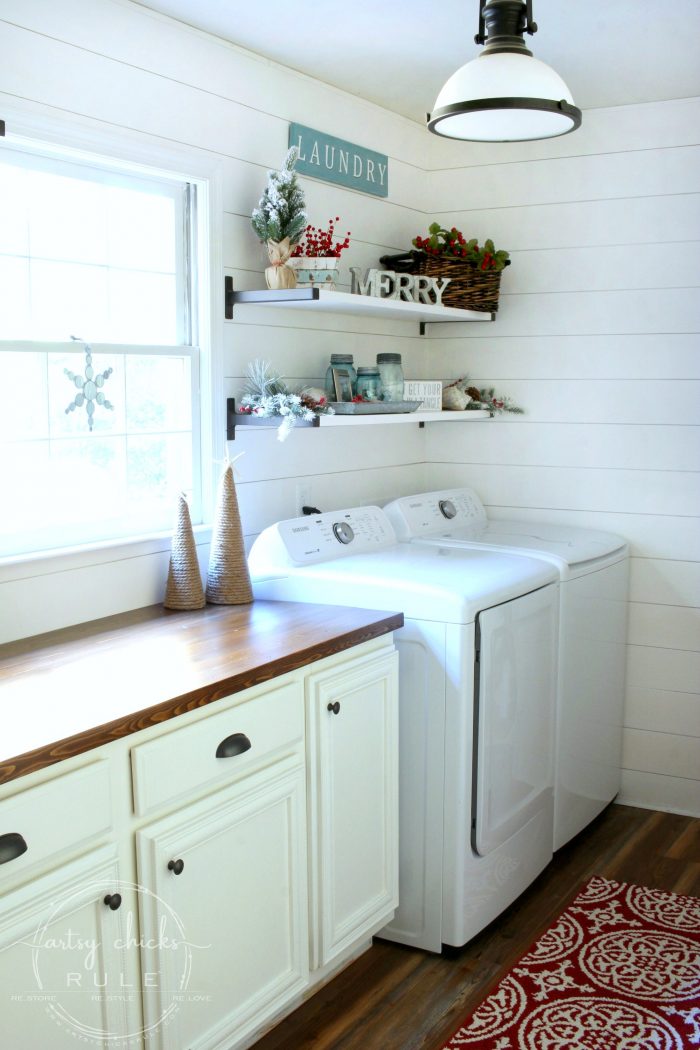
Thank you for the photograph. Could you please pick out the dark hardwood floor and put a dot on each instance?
(395, 998)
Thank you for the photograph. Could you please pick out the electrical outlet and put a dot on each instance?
(302, 496)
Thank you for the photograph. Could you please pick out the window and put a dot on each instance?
(95, 259)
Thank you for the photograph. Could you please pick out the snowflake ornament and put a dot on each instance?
(88, 386)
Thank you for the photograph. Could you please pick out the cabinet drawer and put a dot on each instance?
(54, 818)
(183, 762)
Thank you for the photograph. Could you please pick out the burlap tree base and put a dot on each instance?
(184, 587)
(228, 582)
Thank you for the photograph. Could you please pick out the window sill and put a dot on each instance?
(44, 563)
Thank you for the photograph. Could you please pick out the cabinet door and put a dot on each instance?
(224, 930)
(68, 970)
(353, 814)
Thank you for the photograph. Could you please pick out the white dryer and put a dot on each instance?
(593, 568)
(477, 668)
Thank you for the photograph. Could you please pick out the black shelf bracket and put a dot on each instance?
(422, 324)
(230, 416)
(228, 299)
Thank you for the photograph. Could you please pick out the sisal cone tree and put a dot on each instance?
(184, 587)
(228, 582)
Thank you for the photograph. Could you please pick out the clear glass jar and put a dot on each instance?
(369, 384)
(340, 361)
(391, 375)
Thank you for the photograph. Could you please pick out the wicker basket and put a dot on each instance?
(470, 288)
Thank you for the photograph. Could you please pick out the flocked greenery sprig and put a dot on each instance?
(487, 398)
(281, 212)
(453, 245)
(267, 395)
(321, 242)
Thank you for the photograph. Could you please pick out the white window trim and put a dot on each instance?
(128, 149)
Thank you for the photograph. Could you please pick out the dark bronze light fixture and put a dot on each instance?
(505, 94)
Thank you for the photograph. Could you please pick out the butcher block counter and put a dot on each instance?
(73, 690)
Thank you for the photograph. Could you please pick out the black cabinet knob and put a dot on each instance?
(12, 846)
(236, 744)
(176, 866)
(113, 901)
(335, 708)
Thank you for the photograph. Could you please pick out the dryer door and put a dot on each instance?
(513, 770)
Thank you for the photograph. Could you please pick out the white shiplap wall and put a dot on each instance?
(598, 338)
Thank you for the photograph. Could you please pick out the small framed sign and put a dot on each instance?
(427, 391)
(343, 384)
(335, 160)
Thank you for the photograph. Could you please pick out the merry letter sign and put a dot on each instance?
(386, 284)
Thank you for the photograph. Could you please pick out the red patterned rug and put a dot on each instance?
(618, 970)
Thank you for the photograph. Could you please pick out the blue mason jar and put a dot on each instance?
(369, 384)
(343, 361)
(391, 375)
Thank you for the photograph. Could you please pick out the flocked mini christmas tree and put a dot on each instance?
(280, 219)
(184, 587)
(228, 582)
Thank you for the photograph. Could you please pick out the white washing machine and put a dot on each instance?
(477, 669)
(593, 568)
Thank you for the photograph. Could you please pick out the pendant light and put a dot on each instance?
(504, 95)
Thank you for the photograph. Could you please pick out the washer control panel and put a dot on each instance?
(436, 514)
(335, 534)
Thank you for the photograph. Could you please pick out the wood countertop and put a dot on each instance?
(69, 691)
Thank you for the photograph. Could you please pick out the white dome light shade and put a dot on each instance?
(504, 97)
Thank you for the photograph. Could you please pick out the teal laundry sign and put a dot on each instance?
(341, 162)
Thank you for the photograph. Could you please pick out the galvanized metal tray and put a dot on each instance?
(372, 408)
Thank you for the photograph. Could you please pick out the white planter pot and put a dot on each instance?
(319, 272)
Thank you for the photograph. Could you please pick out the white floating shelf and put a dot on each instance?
(383, 419)
(238, 419)
(320, 299)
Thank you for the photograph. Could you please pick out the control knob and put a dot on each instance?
(343, 532)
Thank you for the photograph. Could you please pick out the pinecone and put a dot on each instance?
(473, 393)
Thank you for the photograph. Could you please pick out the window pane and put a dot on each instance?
(142, 308)
(68, 299)
(23, 397)
(158, 469)
(14, 214)
(14, 297)
(67, 219)
(158, 394)
(142, 230)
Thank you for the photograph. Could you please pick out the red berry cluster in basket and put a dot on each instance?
(452, 244)
(320, 242)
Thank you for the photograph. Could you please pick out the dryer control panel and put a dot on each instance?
(322, 537)
(441, 513)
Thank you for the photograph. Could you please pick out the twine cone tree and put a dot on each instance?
(184, 587)
(228, 582)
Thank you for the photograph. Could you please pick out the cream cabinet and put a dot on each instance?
(353, 809)
(67, 970)
(229, 876)
(205, 875)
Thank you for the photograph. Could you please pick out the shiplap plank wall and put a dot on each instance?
(598, 338)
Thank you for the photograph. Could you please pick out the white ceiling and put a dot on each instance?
(398, 53)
